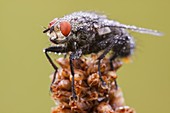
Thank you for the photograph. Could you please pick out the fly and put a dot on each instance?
(82, 33)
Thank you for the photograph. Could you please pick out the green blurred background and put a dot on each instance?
(24, 70)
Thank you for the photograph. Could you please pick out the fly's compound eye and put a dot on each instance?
(65, 28)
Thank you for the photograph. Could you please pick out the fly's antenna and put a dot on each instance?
(45, 29)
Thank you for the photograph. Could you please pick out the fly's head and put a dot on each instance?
(58, 30)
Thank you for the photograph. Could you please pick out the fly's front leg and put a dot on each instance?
(74, 56)
(57, 50)
(72, 73)
(56, 41)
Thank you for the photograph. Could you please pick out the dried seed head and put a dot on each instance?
(60, 110)
(92, 97)
(64, 84)
(93, 80)
(78, 76)
(116, 98)
(125, 109)
(65, 73)
(104, 108)
(61, 95)
(81, 105)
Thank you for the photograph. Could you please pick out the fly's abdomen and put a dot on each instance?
(124, 46)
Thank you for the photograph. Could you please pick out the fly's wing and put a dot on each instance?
(141, 30)
(135, 29)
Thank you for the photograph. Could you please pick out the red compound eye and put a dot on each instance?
(52, 22)
(65, 28)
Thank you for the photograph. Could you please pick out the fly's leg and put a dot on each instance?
(56, 41)
(103, 55)
(119, 51)
(72, 73)
(112, 58)
(57, 50)
(74, 56)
